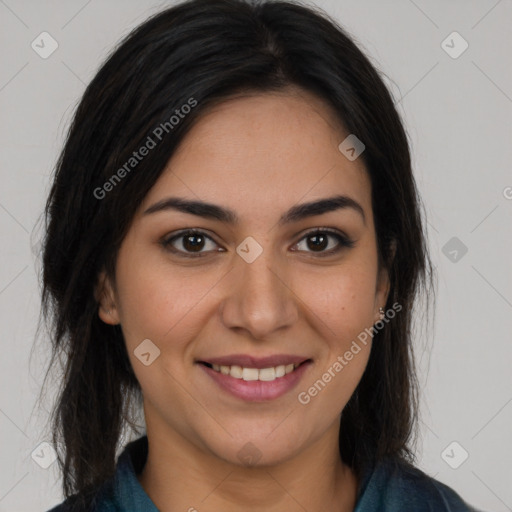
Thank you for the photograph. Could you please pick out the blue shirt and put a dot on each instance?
(383, 488)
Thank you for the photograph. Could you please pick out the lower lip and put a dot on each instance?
(258, 390)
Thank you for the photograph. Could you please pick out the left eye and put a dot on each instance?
(193, 241)
(318, 240)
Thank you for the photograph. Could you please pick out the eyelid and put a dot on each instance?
(323, 229)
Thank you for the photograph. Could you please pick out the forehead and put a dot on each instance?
(263, 153)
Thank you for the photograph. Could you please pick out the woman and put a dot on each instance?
(234, 244)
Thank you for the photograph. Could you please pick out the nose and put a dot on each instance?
(260, 297)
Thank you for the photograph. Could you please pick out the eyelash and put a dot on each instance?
(343, 242)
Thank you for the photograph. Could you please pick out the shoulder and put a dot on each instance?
(428, 492)
(118, 492)
(399, 486)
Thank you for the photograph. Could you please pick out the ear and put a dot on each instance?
(105, 296)
(383, 282)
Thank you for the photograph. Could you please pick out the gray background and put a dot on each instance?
(458, 115)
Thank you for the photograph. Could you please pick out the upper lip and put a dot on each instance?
(248, 361)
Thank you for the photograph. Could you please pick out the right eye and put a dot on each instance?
(192, 242)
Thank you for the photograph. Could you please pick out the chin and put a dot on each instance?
(258, 449)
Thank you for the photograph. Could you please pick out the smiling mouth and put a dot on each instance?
(268, 374)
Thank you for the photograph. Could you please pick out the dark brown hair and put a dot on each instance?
(211, 51)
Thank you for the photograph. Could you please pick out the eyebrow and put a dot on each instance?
(228, 216)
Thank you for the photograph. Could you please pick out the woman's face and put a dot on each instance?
(255, 288)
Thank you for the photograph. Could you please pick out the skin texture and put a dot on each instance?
(258, 155)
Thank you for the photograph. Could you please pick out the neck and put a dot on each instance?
(180, 476)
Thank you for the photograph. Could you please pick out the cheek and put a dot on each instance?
(157, 300)
(343, 298)
(330, 387)
(342, 304)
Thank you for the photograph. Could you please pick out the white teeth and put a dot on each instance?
(267, 374)
(280, 370)
(236, 372)
(248, 374)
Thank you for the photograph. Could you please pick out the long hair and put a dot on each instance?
(200, 53)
